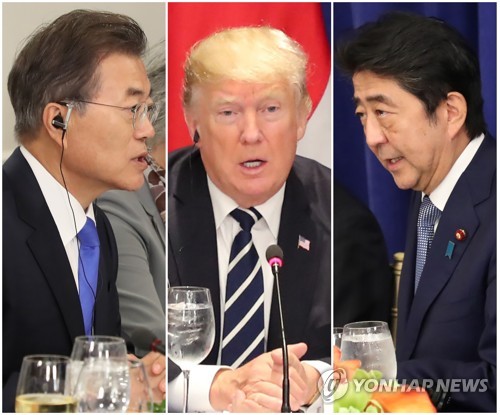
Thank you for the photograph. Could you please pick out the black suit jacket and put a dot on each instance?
(41, 306)
(363, 283)
(447, 330)
(305, 280)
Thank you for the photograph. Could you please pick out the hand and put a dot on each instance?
(261, 382)
(155, 364)
(240, 404)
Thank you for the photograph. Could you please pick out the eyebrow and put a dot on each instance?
(383, 99)
(133, 92)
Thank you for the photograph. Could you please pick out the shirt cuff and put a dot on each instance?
(317, 406)
(200, 381)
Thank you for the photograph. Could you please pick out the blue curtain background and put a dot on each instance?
(354, 165)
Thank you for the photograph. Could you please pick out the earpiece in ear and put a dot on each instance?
(58, 122)
(196, 137)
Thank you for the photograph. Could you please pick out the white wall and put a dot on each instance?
(22, 19)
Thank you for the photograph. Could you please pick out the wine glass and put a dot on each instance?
(41, 385)
(371, 343)
(98, 347)
(337, 336)
(191, 329)
(141, 397)
(103, 385)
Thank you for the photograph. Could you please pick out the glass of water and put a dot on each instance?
(96, 347)
(191, 329)
(103, 386)
(371, 343)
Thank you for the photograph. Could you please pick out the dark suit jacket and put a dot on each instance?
(363, 282)
(305, 280)
(41, 306)
(448, 329)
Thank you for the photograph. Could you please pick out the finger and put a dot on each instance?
(162, 386)
(150, 358)
(159, 365)
(297, 375)
(298, 350)
(263, 400)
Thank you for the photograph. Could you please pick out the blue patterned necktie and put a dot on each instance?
(88, 270)
(427, 217)
(243, 332)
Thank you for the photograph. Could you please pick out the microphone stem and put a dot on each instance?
(285, 407)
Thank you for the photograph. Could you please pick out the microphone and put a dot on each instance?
(274, 256)
(146, 340)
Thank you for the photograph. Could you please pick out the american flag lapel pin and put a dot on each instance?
(304, 243)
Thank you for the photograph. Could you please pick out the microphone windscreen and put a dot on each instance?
(274, 251)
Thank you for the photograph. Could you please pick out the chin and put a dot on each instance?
(132, 185)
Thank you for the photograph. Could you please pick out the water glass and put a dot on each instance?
(97, 347)
(191, 329)
(371, 343)
(103, 386)
(141, 396)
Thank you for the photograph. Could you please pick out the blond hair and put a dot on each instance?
(247, 54)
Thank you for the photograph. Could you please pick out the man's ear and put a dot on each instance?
(192, 125)
(302, 117)
(456, 108)
(53, 117)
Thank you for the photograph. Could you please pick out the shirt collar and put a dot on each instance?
(56, 198)
(270, 210)
(439, 197)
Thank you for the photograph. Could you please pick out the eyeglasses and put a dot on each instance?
(140, 112)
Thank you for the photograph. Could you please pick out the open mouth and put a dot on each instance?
(395, 160)
(252, 164)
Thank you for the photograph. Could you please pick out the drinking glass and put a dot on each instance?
(337, 336)
(98, 347)
(141, 397)
(41, 385)
(371, 343)
(191, 329)
(103, 385)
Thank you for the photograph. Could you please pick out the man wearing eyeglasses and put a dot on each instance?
(81, 98)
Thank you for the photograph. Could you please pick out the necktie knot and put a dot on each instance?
(428, 213)
(246, 217)
(88, 234)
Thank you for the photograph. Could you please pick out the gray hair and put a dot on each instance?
(155, 64)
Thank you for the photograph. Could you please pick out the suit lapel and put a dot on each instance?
(193, 238)
(473, 187)
(46, 246)
(298, 274)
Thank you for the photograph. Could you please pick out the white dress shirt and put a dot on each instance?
(56, 198)
(439, 197)
(264, 234)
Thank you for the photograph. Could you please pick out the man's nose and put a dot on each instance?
(144, 129)
(373, 132)
(250, 130)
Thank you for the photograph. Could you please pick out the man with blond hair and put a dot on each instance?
(242, 185)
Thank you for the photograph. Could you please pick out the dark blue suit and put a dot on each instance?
(305, 280)
(41, 306)
(448, 329)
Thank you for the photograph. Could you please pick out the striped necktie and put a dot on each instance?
(427, 217)
(243, 332)
(88, 270)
